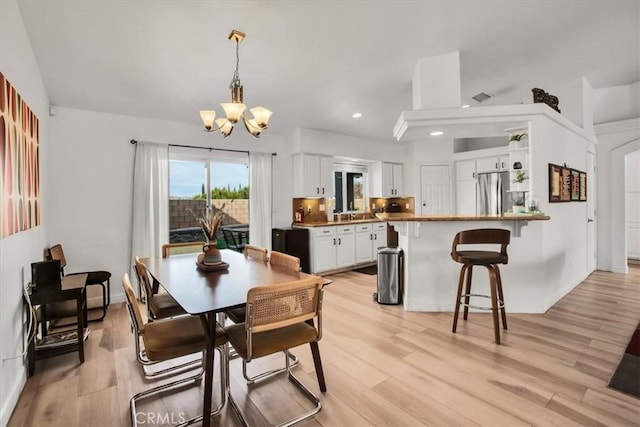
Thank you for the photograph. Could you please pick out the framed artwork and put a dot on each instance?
(19, 165)
(575, 185)
(583, 187)
(555, 182)
(565, 184)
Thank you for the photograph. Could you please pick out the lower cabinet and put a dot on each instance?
(343, 246)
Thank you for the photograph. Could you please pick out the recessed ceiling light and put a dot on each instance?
(465, 106)
(436, 133)
(356, 115)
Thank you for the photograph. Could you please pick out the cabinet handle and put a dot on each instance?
(375, 237)
(370, 236)
(502, 165)
(322, 190)
(317, 190)
(334, 241)
(339, 241)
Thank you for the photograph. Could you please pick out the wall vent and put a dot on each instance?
(481, 97)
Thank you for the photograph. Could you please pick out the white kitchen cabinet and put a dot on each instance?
(369, 237)
(386, 180)
(312, 175)
(364, 239)
(323, 249)
(466, 187)
(379, 232)
(345, 246)
(492, 164)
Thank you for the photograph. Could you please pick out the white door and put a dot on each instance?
(591, 213)
(435, 190)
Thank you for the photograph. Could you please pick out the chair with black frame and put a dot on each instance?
(233, 240)
(280, 317)
(170, 339)
(93, 277)
(160, 305)
(55, 298)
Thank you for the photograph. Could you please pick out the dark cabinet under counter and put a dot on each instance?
(293, 241)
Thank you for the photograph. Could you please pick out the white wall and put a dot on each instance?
(17, 251)
(633, 205)
(564, 237)
(614, 104)
(615, 141)
(434, 151)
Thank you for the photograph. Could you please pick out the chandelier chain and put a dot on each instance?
(235, 80)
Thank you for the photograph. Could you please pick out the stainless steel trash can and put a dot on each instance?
(390, 275)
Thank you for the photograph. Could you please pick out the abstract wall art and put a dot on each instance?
(19, 163)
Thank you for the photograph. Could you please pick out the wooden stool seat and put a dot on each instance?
(487, 259)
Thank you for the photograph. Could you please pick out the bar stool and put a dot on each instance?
(487, 259)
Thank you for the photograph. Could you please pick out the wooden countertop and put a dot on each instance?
(449, 217)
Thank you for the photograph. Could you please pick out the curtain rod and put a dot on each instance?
(133, 141)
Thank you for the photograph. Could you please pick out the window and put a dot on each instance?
(349, 188)
(198, 179)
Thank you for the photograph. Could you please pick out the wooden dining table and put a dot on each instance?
(207, 293)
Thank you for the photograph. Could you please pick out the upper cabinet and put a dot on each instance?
(492, 164)
(386, 180)
(312, 175)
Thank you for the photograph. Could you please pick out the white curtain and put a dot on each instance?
(150, 199)
(260, 198)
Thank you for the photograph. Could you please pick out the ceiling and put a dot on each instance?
(315, 63)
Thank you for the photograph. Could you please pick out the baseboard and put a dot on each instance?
(12, 398)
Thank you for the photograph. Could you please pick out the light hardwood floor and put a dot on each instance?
(384, 366)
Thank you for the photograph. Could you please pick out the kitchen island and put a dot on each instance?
(533, 280)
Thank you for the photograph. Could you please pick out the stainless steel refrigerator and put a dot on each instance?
(493, 196)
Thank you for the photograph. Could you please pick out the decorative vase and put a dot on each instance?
(212, 254)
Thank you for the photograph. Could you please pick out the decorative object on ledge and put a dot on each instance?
(567, 184)
(518, 140)
(235, 109)
(520, 177)
(19, 166)
(540, 96)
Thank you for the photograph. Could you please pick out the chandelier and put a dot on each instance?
(235, 110)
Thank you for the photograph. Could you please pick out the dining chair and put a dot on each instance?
(170, 339)
(238, 316)
(160, 304)
(255, 252)
(280, 317)
(285, 260)
(169, 249)
(94, 278)
(251, 251)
